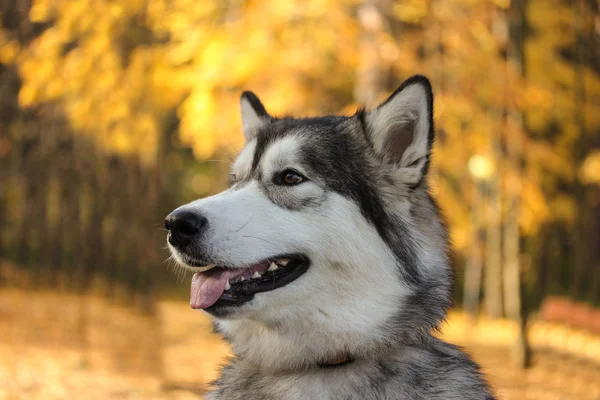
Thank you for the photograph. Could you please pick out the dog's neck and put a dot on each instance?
(271, 350)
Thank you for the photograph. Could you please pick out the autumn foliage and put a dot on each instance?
(149, 89)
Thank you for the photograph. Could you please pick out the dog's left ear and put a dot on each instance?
(401, 129)
(254, 115)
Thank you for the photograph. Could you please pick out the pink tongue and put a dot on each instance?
(207, 287)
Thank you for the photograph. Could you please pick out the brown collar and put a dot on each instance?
(337, 361)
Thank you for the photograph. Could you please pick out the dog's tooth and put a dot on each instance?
(272, 267)
(242, 279)
(283, 261)
(255, 275)
(227, 285)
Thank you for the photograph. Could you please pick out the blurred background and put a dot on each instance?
(114, 112)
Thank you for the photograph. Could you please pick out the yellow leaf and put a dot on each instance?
(9, 52)
(589, 171)
(27, 95)
(40, 11)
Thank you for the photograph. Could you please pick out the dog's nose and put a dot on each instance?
(183, 226)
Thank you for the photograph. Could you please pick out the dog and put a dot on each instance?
(325, 264)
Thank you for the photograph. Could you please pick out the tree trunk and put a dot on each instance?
(515, 129)
(583, 226)
(493, 259)
(372, 76)
(474, 267)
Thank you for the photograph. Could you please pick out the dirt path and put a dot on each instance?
(48, 352)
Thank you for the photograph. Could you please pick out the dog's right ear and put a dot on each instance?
(254, 115)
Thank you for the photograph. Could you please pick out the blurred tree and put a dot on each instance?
(374, 74)
(554, 102)
(54, 201)
(103, 101)
(514, 132)
(496, 25)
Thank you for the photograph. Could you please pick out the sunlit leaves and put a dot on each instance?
(590, 169)
(411, 11)
(118, 67)
(9, 48)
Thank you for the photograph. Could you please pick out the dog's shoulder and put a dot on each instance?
(439, 370)
(241, 380)
(233, 382)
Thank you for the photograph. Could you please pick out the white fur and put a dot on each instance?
(282, 155)
(410, 104)
(251, 121)
(241, 166)
(354, 299)
(349, 292)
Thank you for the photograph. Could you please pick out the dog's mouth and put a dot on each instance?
(215, 287)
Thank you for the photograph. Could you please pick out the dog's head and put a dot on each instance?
(327, 241)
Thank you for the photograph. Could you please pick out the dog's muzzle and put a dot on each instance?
(184, 226)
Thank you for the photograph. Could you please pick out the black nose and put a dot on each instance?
(183, 226)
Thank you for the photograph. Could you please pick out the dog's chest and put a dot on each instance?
(326, 384)
(416, 375)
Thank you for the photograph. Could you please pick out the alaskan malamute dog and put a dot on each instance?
(325, 263)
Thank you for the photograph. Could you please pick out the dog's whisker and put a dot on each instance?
(246, 224)
(233, 154)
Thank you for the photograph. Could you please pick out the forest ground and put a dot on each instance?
(60, 346)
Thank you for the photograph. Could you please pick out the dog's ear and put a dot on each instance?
(401, 129)
(254, 115)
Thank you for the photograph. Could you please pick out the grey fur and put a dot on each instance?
(431, 369)
(399, 358)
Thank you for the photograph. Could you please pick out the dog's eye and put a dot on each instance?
(288, 177)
